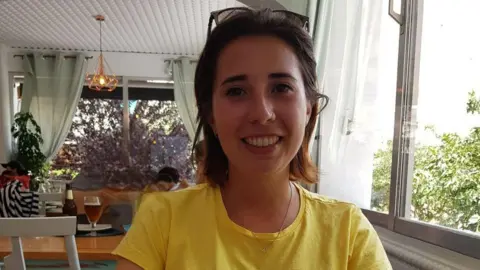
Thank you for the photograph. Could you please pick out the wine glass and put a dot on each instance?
(93, 209)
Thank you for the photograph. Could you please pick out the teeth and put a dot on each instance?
(262, 141)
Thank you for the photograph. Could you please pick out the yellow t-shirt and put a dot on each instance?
(190, 229)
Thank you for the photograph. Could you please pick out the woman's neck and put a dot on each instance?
(260, 202)
(258, 190)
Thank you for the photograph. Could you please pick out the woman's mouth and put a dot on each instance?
(262, 141)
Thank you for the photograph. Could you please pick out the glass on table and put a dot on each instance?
(93, 210)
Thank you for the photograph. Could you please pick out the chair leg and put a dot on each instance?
(15, 260)
(71, 247)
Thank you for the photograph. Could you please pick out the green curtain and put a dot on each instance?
(51, 91)
(183, 81)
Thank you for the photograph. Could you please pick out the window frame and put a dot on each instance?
(396, 220)
(134, 93)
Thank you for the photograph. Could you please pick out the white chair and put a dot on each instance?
(43, 198)
(15, 228)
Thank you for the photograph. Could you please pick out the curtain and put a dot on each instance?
(6, 103)
(183, 89)
(51, 92)
(320, 13)
(346, 36)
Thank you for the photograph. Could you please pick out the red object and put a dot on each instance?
(24, 179)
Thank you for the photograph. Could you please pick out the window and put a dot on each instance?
(105, 148)
(157, 136)
(93, 146)
(360, 78)
(433, 160)
(445, 176)
(383, 108)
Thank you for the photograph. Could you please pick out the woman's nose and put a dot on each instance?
(261, 110)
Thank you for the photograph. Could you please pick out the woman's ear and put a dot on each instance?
(309, 113)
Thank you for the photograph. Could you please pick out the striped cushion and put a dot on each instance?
(14, 202)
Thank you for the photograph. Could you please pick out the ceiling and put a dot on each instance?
(170, 27)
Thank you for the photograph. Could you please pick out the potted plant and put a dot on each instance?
(28, 136)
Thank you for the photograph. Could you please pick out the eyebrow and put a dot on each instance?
(243, 77)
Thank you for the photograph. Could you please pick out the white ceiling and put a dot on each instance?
(171, 27)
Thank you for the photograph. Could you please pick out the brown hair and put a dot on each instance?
(199, 152)
(254, 23)
(198, 159)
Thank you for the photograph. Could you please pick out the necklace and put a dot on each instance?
(264, 249)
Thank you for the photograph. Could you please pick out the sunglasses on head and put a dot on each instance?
(221, 15)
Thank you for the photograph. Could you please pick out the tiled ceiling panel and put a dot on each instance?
(175, 27)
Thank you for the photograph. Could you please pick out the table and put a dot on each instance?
(53, 248)
(118, 213)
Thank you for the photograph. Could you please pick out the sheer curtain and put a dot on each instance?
(346, 37)
(51, 92)
(183, 88)
(6, 102)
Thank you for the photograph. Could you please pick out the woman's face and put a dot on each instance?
(259, 106)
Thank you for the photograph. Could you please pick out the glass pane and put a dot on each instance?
(384, 113)
(357, 125)
(93, 151)
(157, 139)
(446, 171)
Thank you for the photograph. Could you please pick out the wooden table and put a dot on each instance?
(89, 248)
(53, 248)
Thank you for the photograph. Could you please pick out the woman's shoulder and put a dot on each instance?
(321, 205)
(178, 198)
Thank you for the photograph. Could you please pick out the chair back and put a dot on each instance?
(43, 198)
(15, 228)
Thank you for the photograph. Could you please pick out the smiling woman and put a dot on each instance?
(257, 101)
(265, 97)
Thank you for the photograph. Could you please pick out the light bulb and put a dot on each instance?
(102, 81)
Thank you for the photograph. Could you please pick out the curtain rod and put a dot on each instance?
(52, 56)
(173, 60)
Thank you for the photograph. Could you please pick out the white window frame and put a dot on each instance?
(402, 160)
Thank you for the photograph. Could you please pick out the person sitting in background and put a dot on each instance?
(14, 170)
(167, 179)
(15, 202)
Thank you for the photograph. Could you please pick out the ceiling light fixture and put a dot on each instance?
(100, 80)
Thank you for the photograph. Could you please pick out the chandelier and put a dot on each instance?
(100, 80)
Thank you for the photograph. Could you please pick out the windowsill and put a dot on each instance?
(421, 254)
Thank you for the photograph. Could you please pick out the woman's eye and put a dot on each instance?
(235, 91)
(281, 88)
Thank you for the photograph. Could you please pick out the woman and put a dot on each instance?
(14, 170)
(257, 100)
